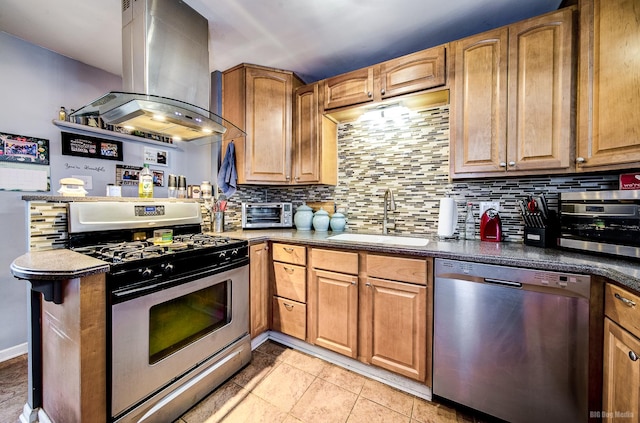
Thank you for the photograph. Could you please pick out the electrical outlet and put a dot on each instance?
(484, 205)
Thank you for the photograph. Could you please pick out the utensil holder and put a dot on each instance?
(218, 222)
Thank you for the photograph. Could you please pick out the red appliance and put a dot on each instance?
(490, 226)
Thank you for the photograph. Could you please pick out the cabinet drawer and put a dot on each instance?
(623, 307)
(290, 317)
(290, 281)
(294, 254)
(397, 268)
(337, 261)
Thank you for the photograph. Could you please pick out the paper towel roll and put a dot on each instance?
(447, 218)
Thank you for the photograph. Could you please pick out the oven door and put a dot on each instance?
(158, 337)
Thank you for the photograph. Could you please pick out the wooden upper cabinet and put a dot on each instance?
(315, 143)
(513, 99)
(260, 100)
(479, 103)
(348, 89)
(609, 85)
(414, 72)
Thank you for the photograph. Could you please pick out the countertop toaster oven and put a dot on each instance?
(267, 215)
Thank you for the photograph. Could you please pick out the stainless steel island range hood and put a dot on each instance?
(166, 81)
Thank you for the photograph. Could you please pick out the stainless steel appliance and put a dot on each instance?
(178, 317)
(267, 215)
(606, 222)
(511, 342)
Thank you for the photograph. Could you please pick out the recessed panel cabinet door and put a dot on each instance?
(414, 72)
(334, 316)
(259, 288)
(397, 331)
(349, 89)
(609, 86)
(479, 112)
(269, 126)
(540, 100)
(306, 153)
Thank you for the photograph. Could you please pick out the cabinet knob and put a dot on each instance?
(503, 164)
(512, 164)
(580, 160)
(633, 356)
(288, 178)
(368, 285)
(624, 300)
(382, 91)
(369, 94)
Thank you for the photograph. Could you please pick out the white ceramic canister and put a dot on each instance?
(338, 222)
(321, 220)
(206, 190)
(303, 218)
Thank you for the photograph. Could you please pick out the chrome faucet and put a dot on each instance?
(391, 206)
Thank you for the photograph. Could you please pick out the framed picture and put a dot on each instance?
(158, 178)
(127, 175)
(86, 146)
(23, 149)
(157, 157)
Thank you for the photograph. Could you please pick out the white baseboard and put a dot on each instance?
(13, 352)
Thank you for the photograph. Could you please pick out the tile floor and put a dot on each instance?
(279, 385)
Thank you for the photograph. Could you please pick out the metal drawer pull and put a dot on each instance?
(633, 356)
(288, 306)
(288, 250)
(288, 269)
(626, 301)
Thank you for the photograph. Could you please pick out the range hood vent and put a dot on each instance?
(165, 76)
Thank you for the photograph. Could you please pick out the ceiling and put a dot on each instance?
(314, 38)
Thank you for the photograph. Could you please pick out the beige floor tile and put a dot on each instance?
(255, 410)
(305, 362)
(261, 365)
(344, 378)
(367, 411)
(324, 402)
(273, 348)
(217, 405)
(387, 396)
(284, 386)
(431, 412)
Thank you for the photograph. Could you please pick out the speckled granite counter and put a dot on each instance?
(624, 272)
(56, 265)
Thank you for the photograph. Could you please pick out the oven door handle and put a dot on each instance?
(148, 287)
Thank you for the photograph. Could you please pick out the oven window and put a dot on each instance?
(183, 320)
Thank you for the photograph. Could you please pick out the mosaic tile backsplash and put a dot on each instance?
(410, 154)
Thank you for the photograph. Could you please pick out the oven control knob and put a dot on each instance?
(146, 273)
(168, 269)
(223, 254)
(234, 252)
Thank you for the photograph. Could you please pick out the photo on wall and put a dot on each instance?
(23, 149)
(86, 146)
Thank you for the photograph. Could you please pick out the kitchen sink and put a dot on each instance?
(381, 239)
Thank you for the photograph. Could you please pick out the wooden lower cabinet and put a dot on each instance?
(334, 320)
(395, 335)
(259, 288)
(290, 317)
(621, 387)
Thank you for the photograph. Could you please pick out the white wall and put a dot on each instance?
(34, 83)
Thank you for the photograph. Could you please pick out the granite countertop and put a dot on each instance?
(623, 272)
(67, 199)
(57, 264)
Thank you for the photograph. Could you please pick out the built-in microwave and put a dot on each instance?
(267, 215)
(605, 222)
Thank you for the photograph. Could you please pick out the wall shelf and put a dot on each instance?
(103, 133)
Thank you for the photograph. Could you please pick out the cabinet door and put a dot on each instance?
(333, 308)
(349, 89)
(268, 114)
(541, 97)
(259, 288)
(306, 151)
(621, 386)
(479, 103)
(414, 72)
(397, 331)
(609, 85)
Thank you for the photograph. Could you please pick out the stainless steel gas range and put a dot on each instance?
(178, 317)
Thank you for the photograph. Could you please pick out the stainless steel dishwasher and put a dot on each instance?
(512, 342)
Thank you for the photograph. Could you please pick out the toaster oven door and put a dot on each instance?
(262, 215)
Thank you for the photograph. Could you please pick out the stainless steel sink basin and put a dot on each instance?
(381, 239)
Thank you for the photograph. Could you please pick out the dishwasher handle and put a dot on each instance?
(500, 282)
